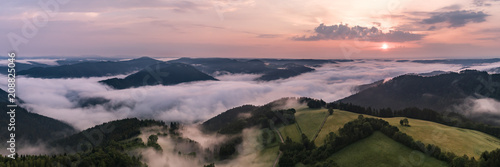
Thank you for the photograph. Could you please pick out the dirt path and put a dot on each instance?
(321, 127)
(280, 153)
(279, 134)
(277, 159)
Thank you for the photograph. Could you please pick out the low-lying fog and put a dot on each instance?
(198, 101)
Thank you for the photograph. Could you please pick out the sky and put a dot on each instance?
(323, 29)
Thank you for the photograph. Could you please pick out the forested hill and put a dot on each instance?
(271, 69)
(102, 135)
(235, 120)
(31, 127)
(435, 92)
(90, 69)
(160, 74)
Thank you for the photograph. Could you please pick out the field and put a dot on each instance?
(290, 131)
(383, 151)
(456, 140)
(310, 120)
(267, 155)
(333, 123)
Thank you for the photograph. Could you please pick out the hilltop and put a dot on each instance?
(160, 74)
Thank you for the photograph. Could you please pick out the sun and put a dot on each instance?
(384, 46)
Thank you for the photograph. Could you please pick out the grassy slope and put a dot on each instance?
(333, 123)
(290, 131)
(456, 140)
(383, 151)
(310, 120)
(268, 154)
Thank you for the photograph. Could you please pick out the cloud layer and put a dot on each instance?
(198, 101)
(457, 18)
(344, 32)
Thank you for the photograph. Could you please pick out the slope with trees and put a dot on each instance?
(31, 127)
(90, 69)
(159, 74)
(438, 92)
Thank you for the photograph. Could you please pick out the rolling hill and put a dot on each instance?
(457, 140)
(284, 71)
(160, 74)
(438, 92)
(380, 150)
(90, 69)
(31, 127)
(105, 134)
(269, 68)
(22, 66)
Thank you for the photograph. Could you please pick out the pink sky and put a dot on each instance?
(253, 28)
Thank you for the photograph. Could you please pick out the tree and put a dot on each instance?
(404, 122)
(330, 111)
(209, 165)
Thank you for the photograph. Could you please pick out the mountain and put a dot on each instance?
(270, 69)
(233, 121)
(31, 127)
(465, 62)
(22, 66)
(90, 69)
(225, 65)
(163, 73)
(286, 71)
(306, 62)
(494, 70)
(438, 92)
(107, 133)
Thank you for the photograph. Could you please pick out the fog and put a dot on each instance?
(198, 101)
(481, 109)
(248, 150)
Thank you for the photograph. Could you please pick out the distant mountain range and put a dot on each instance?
(23, 66)
(465, 62)
(31, 127)
(90, 69)
(160, 74)
(271, 69)
(437, 92)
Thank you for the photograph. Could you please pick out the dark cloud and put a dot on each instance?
(452, 7)
(483, 2)
(457, 18)
(344, 32)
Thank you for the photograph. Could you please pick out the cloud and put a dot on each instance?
(458, 18)
(452, 7)
(483, 2)
(198, 101)
(114, 5)
(248, 150)
(480, 109)
(344, 32)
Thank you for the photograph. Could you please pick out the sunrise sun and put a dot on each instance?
(384, 46)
